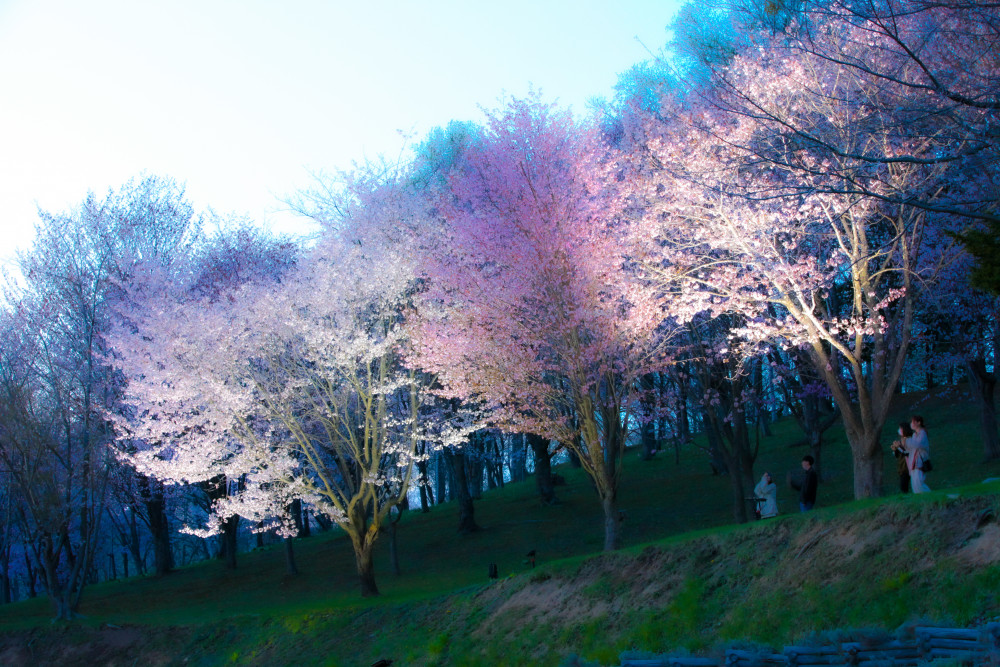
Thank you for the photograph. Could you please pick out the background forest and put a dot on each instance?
(795, 216)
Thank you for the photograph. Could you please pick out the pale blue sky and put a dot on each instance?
(240, 99)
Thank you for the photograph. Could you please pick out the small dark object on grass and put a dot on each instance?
(494, 571)
(531, 558)
(384, 662)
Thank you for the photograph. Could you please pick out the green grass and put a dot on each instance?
(712, 581)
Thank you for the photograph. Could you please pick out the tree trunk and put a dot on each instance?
(32, 576)
(63, 608)
(300, 518)
(440, 477)
(290, 565)
(134, 545)
(426, 492)
(543, 468)
(494, 465)
(518, 457)
(366, 569)
(228, 543)
(156, 510)
(612, 523)
(647, 416)
(984, 385)
(466, 511)
(5, 596)
(868, 465)
(474, 469)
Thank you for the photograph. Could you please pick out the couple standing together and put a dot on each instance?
(766, 491)
(912, 452)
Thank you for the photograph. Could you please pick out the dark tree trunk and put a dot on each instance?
(984, 385)
(474, 467)
(324, 523)
(228, 541)
(365, 566)
(159, 527)
(426, 493)
(494, 465)
(300, 518)
(543, 468)
(32, 575)
(683, 431)
(466, 512)
(763, 416)
(647, 416)
(290, 566)
(518, 459)
(441, 477)
(5, 594)
(716, 457)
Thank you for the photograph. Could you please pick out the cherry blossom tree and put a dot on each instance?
(296, 390)
(533, 302)
(754, 207)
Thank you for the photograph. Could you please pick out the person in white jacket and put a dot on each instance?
(768, 490)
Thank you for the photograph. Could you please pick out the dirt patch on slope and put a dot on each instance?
(780, 555)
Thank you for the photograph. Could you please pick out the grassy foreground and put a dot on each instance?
(688, 580)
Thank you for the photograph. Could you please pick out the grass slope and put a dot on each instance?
(873, 563)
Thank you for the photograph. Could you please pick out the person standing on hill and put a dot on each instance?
(807, 487)
(899, 450)
(918, 453)
(767, 491)
(919, 438)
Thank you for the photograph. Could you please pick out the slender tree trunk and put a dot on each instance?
(812, 427)
(5, 594)
(518, 458)
(984, 385)
(543, 468)
(228, 543)
(466, 511)
(134, 544)
(474, 469)
(440, 477)
(32, 577)
(647, 417)
(290, 566)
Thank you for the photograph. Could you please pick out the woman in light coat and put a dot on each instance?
(916, 454)
(768, 490)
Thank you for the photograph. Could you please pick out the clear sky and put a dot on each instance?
(241, 99)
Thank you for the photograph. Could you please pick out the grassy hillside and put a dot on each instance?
(875, 563)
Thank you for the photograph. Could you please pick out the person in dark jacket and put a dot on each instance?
(900, 451)
(807, 487)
